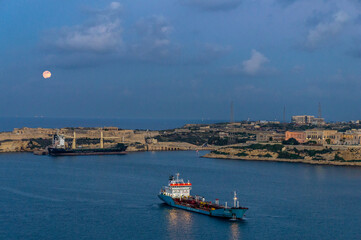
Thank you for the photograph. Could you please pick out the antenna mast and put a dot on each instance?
(319, 110)
(232, 113)
(284, 114)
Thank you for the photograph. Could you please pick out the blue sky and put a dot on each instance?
(183, 59)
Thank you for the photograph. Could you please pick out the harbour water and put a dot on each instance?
(115, 197)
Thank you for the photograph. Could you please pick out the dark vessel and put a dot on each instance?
(58, 148)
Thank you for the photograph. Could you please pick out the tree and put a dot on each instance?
(291, 141)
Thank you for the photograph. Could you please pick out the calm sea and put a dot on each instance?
(115, 197)
(9, 123)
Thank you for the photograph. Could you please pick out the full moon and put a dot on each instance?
(46, 74)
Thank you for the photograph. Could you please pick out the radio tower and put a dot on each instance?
(232, 113)
(284, 114)
(319, 110)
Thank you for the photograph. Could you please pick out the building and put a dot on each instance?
(318, 121)
(270, 137)
(303, 119)
(350, 137)
(307, 119)
(299, 136)
(330, 137)
(315, 135)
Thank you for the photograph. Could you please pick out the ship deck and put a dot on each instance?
(192, 202)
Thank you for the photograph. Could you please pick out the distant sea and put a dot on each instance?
(9, 123)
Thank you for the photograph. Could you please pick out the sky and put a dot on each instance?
(181, 59)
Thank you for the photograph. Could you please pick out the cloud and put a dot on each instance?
(153, 39)
(103, 34)
(101, 39)
(213, 5)
(254, 66)
(324, 30)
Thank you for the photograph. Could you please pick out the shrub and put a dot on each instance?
(269, 147)
(219, 152)
(312, 153)
(338, 158)
(289, 155)
(242, 154)
(318, 157)
(310, 143)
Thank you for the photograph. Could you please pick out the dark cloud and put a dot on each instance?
(213, 5)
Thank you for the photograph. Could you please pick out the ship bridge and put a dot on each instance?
(177, 187)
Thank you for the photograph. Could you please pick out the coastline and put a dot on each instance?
(313, 162)
(187, 138)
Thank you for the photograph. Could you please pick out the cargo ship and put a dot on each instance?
(58, 148)
(177, 194)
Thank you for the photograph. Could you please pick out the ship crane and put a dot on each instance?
(73, 146)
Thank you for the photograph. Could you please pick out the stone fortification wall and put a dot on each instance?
(19, 138)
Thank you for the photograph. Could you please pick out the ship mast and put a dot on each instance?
(101, 139)
(74, 141)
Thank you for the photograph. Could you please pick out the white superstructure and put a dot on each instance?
(177, 188)
(58, 141)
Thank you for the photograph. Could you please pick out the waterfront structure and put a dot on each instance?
(298, 135)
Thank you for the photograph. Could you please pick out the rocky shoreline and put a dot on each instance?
(314, 162)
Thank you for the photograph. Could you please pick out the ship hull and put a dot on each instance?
(237, 213)
(84, 152)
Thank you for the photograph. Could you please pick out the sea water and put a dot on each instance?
(115, 197)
